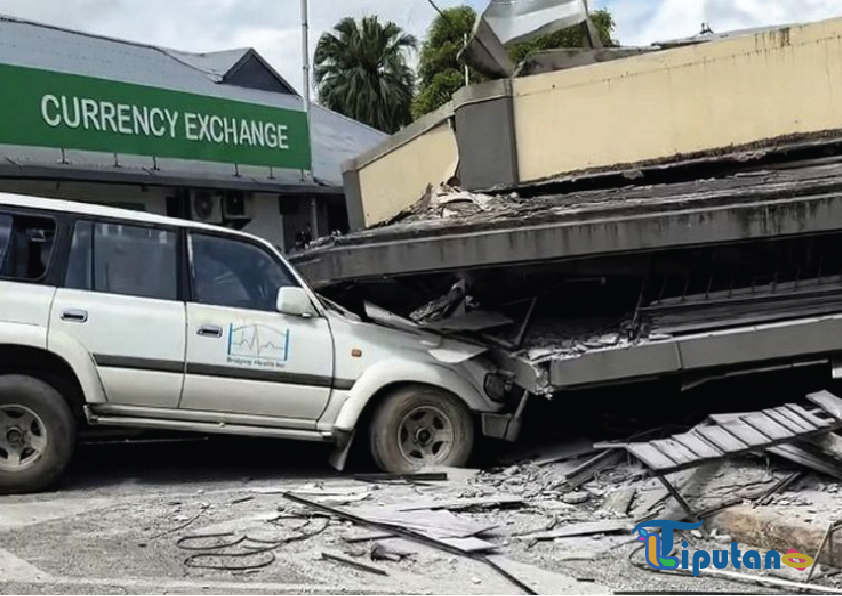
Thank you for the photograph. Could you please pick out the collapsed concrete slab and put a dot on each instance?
(439, 234)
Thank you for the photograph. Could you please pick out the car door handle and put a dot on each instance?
(210, 331)
(74, 315)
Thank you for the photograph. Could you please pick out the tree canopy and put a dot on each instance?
(361, 71)
(441, 73)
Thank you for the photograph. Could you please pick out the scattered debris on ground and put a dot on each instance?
(560, 520)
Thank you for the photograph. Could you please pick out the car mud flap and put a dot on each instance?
(339, 457)
(505, 426)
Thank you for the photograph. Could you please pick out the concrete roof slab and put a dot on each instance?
(764, 204)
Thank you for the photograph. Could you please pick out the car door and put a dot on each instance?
(27, 243)
(244, 357)
(121, 301)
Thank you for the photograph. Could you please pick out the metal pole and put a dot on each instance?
(467, 76)
(305, 52)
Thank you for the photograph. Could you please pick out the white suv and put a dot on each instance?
(120, 318)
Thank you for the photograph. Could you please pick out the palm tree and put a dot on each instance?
(361, 71)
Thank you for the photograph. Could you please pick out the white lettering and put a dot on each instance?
(257, 133)
(124, 118)
(141, 120)
(232, 129)
(74, 121)
(283, 138)
(157, 130)
(46, 102)
(245, 133)
(204, 130)
(271, 136)
(190, 126)
(107, 112)
(216, 132)
(172, 118)
(90, 112)
(129, 119)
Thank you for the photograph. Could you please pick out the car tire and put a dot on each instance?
(410, 428)
(37, 435)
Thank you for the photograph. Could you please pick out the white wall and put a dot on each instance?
(154, 199)
(267, 221)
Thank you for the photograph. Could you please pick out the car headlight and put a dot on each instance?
(497, 386)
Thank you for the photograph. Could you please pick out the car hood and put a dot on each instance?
(396, 332)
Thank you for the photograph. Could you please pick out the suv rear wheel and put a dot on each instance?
(37, 434)
(418, 427)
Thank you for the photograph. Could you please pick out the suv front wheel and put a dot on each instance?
(417, 427)
(37, 434)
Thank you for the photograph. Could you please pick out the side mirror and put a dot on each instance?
(296, 302)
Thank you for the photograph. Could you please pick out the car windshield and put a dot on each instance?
(330, 304)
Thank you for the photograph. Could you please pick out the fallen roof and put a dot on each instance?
(726, 435)
(335, 138)
(455, 231)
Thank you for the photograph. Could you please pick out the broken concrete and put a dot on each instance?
(437, 235)
(780, 528)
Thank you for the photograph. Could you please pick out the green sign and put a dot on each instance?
(42, 108)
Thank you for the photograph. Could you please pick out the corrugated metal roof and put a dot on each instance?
(335, 138)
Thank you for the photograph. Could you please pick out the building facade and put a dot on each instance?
(219, 137)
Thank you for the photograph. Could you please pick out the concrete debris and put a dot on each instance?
(498, 502)
(568, 509)
(618, 501)
(381, 552)
(576, 498)
(352, 562)
(583, 529)
(442, 307)
(424, 533)
(449, 202)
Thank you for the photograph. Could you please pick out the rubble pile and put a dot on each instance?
(566, 515)
(450, 203)
(558, 338)
(547, 338)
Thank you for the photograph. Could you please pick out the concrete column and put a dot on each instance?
(281, 236)
(353, 200)
(314, 217)
(485, 134)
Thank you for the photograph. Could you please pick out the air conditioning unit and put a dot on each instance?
(237, 204)
(205, 206)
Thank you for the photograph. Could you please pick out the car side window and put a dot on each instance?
(26, 246)
(236, 274)
(113, 258)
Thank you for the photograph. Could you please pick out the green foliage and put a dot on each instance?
(438, 92)
(441, 73)
(573, 37)
(361, 71)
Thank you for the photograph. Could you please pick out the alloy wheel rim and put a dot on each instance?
(23, 438)
(425, 435)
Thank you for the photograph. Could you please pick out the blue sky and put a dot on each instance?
(273, 26)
